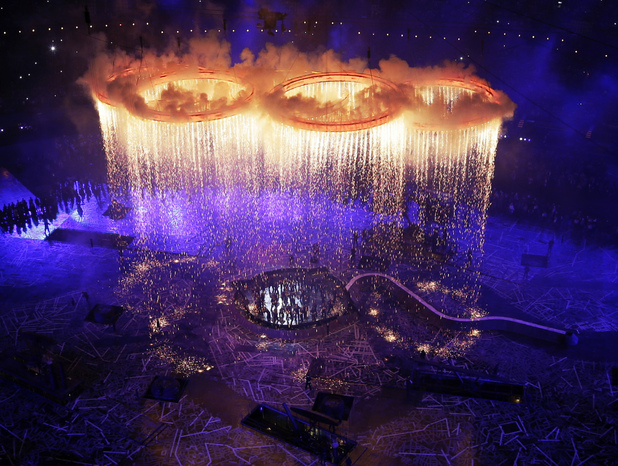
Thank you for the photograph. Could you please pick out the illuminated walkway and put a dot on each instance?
(483, 323)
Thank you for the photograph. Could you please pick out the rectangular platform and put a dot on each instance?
(90, 238)
(50, 382)
(454, 383)
(327, 446)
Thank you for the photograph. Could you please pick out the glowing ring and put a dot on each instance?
(148, 81)
(342, 126)
(490, 97)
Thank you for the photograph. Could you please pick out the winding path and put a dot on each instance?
(509, 324)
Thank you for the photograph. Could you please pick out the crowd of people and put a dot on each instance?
(291, 302)
(19, 217)
(571, 196)
(566, 223)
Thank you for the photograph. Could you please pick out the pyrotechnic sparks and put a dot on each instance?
(449, 346)
(344, 133)
(181, 362)
(298, 375)
(178, 133)
(454, 301)
(336, 102)
(453, 144)
(389, 335)
(274, 129)
(339, 133)
(157, 325)
(476, 313)
(428, 287)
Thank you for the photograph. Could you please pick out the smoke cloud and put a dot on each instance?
(275, 64)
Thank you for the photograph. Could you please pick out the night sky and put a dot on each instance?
(556, 59)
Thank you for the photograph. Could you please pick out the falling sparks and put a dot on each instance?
(347, 138)
(182, 363)
(428, 287)
(453, 153)
(476, 313)
(423, 348)
(157, 325)
(298, 375)
(450, 346)
(339, 133)
(343, 133)
(389, 335)
(162, 146)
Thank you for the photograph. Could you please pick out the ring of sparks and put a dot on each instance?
(447, 92)
(152, 87)
(343, 90)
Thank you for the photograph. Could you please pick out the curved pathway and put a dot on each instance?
(509, 324)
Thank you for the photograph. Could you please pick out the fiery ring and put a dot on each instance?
(489, 97)
(147, 81)
(341, 126)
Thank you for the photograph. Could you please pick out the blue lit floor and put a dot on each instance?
(42, 287)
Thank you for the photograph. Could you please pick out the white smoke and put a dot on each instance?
(276, 64)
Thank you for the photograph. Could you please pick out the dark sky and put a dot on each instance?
(558, 60)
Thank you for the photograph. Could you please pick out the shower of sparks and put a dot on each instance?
(453, 162)
(157, 156)
(337, 135)
(158, 324)
(346, 165)
(262, 180)
(346, 146)
(450, 346)
(181, 362)
(298, 375)
(428, 287)
(476, 313)
(465, 310)
(389, 335)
